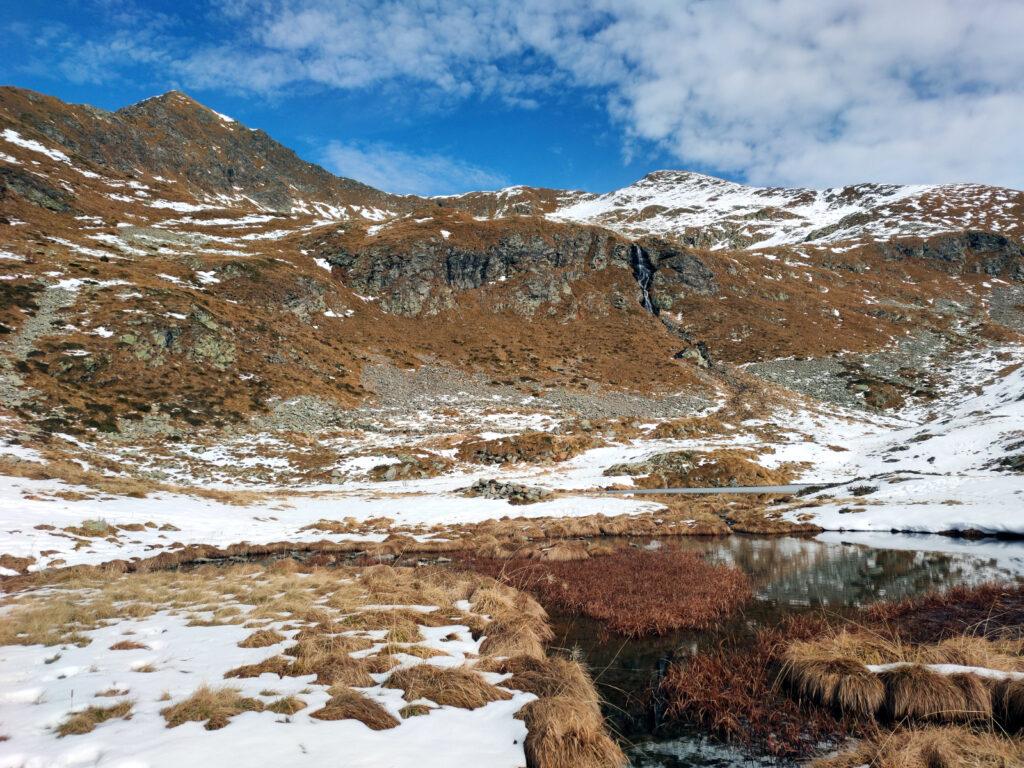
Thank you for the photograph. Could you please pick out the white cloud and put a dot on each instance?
(809, 92)
(394, 170)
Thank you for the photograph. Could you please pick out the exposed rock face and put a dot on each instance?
(17, 182)
(677, 273)
(978, 252)
(425, 275)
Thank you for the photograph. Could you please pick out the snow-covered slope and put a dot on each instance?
(716, 213)
(959, 471)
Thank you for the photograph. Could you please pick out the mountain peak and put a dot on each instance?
(173, 101)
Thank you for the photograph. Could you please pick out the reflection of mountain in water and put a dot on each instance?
(800, 572)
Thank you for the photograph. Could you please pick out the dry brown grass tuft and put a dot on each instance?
(380, 663)
(262, 638)
(516, 634)
(918, 693)
(346, 704)
(128, 645)
(333, 669)
(419, 651)
(563, 734)
(934, 747)
(1008, 703)
(321, 639)
(564, 551)
(977, 697)
(87, 719)
(215, 706)
(1004, 654)
(277, 665)
(446, 686)
(414, 710)
(843, 683)
(547, 677)
(286, 705)
(401, 626)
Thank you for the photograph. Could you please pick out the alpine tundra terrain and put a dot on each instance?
(214, 352)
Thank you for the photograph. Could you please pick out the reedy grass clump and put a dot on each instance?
(632, 593)
(931, 747)
(447, 686)
(262, 638)
(214, 706)
(563, 734)
(347, 704)
(87, 719)
(286, 705)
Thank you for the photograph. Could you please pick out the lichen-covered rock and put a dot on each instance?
(412, 467)
(514, 493)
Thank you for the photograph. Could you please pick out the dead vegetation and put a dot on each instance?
(212, 706)
(530, 447)
(447, 686)
(934, 747)
(703, 469)
(262, 638)
(832, 671)
(348, 704)
(320, 618)
(631, 592)
(86, 720)
(806, 681)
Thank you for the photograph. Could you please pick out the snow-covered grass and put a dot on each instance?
(151, 641)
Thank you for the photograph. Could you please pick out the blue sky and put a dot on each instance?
(440, 96)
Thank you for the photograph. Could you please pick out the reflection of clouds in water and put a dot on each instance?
(846, 571)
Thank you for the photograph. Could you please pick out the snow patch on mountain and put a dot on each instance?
(722, 214)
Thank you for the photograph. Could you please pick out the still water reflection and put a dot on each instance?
(788, 575)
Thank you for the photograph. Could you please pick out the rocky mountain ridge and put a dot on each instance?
(165, 262)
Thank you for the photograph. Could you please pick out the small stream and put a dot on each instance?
(788, 575)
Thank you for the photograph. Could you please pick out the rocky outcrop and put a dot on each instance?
(514, 493)
(27, 186)
(677, 273)
(412, 467)
(978, 252)
(531, 447)
(425, 275)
